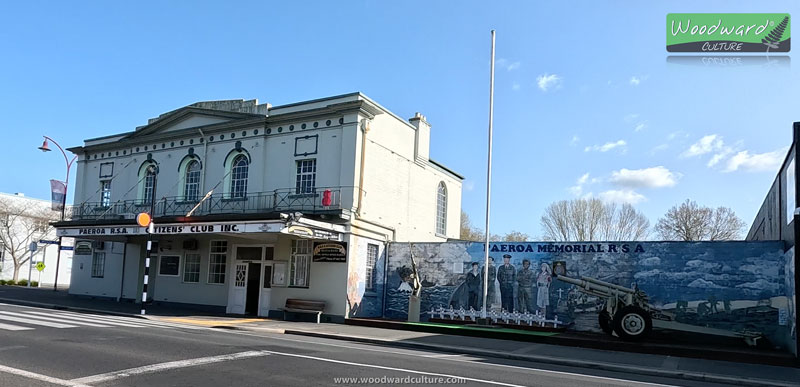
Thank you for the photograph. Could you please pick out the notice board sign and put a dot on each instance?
(330, 252)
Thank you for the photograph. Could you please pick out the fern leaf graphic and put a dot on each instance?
(773, 39)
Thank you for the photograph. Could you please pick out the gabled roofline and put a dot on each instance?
(446, 170)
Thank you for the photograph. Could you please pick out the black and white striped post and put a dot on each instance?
(146, 220)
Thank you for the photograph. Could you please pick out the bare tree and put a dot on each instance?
(593, 220)
(692, 222)
(20, 224)
(516, 236)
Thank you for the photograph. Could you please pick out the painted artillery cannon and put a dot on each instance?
(628, 313)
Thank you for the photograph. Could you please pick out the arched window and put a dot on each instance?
(441, 209)
(147, 181)
(191, 185)
(239, 169)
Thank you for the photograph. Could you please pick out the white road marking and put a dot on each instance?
(167, 366)
(395, 369)
(9, 327)
(35, 376)
(31, 321)
(92, 319)
(54, 319)
(414, 352)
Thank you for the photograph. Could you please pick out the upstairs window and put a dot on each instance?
(147, 181)
(239, 170)
(105, 193)
(191, 186)
(441, 209)
(306, 176)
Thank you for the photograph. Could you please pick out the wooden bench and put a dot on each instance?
(296, 305)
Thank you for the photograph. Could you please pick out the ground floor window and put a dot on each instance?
(218, 257)
(191, 268)
(98, 265)
(372, 257)
(300, 263)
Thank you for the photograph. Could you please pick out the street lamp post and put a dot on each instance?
(45, 148)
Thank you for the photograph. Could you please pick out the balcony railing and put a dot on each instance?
(319, 200)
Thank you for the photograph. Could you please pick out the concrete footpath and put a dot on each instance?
(654, 364)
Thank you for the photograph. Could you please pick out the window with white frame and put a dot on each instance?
(372, 257)
(306, 176)
(40, 225)
(147, 181)
(441, 209)
(98, 265)
(105, 193)
(239, 170)
(300, 263)
(191, 186)
(217, 260)
(191, 268)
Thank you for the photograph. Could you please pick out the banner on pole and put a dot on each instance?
(58, 190)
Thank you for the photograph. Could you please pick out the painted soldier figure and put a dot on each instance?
(506, 276)
(525, 280)
(474, 284)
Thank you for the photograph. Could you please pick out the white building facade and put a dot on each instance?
(255, 204)
(24, 220)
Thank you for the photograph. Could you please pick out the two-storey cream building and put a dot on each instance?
(254, 204)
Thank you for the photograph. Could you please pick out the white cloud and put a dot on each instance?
(758, 162)
(640, 126)
(469, 185)
(575, 140)
(622, 196)
(515, 86)
(548, 81)
(635, 81)
(655, 177)
(577, 189)
(606, 147)
(506, 64)
(659, 148)
(707, 144)
(631, 117)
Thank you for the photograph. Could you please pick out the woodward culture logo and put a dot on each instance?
(728, 32)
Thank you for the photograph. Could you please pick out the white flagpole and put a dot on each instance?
(488, 185)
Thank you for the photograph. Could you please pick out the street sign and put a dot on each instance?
(40, 266)
(33, 247)
(46, 242)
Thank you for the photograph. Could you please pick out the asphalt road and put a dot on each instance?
(44, 347)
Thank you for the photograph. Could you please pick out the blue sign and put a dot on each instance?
(46, 242)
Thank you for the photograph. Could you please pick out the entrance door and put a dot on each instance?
(253, 286)
(246, 294)
(266, 285)
(238, 291)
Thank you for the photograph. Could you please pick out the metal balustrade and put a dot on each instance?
(319, 200)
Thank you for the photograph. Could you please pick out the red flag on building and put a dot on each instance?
(58, 190)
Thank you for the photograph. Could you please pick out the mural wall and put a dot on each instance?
(789, 318)
(728, 285)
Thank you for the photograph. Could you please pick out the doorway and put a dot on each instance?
(253, 285)
(249, 291)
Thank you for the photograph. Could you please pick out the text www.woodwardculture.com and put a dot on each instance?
(394, 380)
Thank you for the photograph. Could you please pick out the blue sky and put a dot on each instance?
(586, 102)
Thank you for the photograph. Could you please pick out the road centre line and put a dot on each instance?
(462, 360)
(395, 369)
(109, 376)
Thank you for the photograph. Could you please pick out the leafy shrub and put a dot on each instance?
(10, 282)
(2, 282)
(34, 283)
(22, 282)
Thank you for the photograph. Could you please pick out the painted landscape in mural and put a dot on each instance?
(732, 285)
